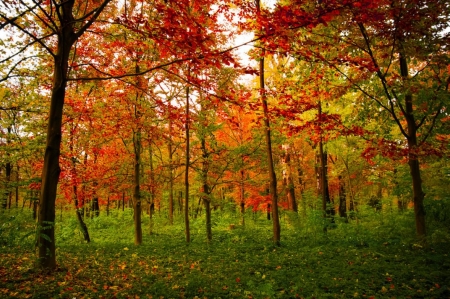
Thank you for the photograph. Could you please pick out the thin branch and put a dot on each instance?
(358, 87)
(201, 88)
(21, 50)
(8, 75)
(38, 40)
(11, 21)
(18, 109)
(109, 76)
(383, 80)
(198, 56)
(433, 123)
(53, 27)
(96, 12)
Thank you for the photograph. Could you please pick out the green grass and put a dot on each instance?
(376, 256)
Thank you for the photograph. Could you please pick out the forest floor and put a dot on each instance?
(375, 256)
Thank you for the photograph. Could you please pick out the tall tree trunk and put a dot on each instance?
(242, 171)
(7, 187)
(206, 191)
(301, 182)
(272, 176)
(51, 170)
(35, 195)
(318, 172)
(180, 202)
(170, 170)
(151, 203)
(137, 185)
(242, 194)
(8, 167)
(326, 200)
(342, 198)
(95, 207)
(3, 193)
(82, 224)
(413, 159)
(186, 174)
(17, 186)
(352, 205)
(78, 210)
(288, 180)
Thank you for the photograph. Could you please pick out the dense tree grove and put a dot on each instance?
(152, 106)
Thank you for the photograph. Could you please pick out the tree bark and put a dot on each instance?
(413, 159)
(136, 187)
(95, 207)
(206, 191)
(51, 169)
(301, 181)
(17, 186)
(186, 174)
(326, 200)
(272, 175)
(323, 156)
(170, 170)
(151, 203)
(78, 210)
(289, 181)
(242, 194)
(342, 198)
(8, 169)
(82, 224)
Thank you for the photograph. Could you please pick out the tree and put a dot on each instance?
(272, 175)
(187, 164)
(66, 23)
(406, 60)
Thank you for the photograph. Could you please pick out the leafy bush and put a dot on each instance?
(17, 229)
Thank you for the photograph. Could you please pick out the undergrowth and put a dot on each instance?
(371, 255)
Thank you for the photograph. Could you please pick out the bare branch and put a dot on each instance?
(18, 109)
